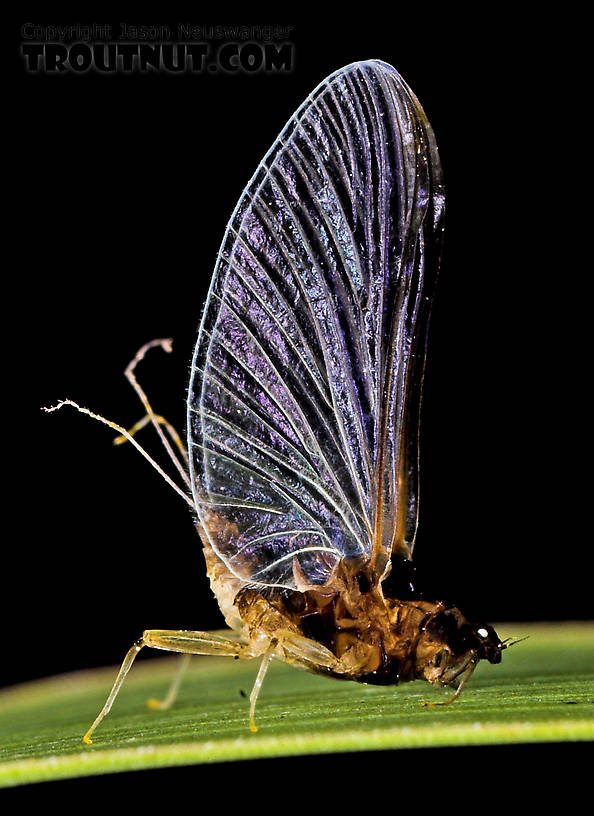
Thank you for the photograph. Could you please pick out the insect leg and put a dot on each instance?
(313, 656)
(258, 684)
(125, 668)
(204, 643)
(173, 688)
(465, 678)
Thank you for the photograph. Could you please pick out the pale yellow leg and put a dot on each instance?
(258, 685)
(162, 705)
(204, 643)
(465, 678)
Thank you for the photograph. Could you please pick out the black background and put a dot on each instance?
(124, 187)
(126, 184)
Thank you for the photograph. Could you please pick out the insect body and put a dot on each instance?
(304, 399)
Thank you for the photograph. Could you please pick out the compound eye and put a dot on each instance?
(482, 633)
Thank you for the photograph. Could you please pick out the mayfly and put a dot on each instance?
(304, 402)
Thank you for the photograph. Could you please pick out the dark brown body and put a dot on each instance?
(353, 627)
(376, 639)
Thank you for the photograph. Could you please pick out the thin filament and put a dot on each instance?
(130, 439)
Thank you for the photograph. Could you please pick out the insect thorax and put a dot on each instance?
(379, 640)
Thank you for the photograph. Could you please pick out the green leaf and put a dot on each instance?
(542, 691)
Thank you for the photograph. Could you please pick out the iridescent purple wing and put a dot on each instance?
(304, 399)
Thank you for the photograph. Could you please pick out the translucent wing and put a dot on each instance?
(305, 392)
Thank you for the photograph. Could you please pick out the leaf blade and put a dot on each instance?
(541, 693)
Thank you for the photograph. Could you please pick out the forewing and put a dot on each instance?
(305, 390)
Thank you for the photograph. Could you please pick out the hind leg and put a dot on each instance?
(169, 699)
(201, 643)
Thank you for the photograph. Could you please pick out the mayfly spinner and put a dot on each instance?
(304, 402)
